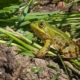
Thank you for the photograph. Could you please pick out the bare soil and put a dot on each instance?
(14, 66)
(53, 5)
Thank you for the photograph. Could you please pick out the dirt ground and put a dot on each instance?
(53, 5)
(14, 66)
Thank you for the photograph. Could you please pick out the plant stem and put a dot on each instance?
(13, 44)
(15, 37)
(68, 64)
(17, 40)
(75, 62)
(64, 66)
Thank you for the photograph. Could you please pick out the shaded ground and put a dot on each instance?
(14, 66)
(53, 5)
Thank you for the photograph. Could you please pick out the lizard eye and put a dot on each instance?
(41, 24)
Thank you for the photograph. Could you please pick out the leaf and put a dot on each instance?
(24, 23)
(6, 3)
(52, 67)
(27, 34)
(27, 53)
(36, 70)
(56, 76)
(68, 34)
(9, 42)
(24, 12)
(20, 18)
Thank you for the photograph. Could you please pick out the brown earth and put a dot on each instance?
(14, 66)
(53, 5)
